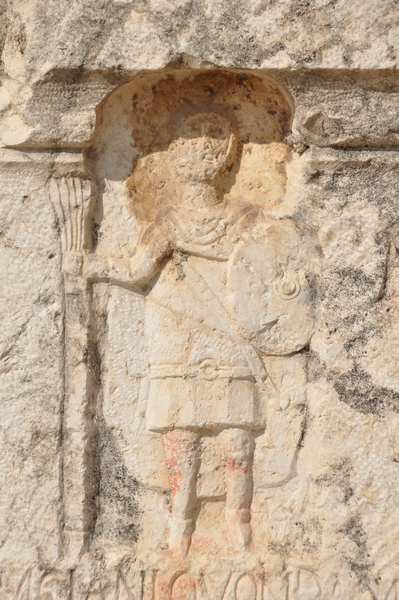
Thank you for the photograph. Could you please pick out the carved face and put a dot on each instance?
(204, 148)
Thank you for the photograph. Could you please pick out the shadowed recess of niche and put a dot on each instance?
(140, 120)
(118, 515)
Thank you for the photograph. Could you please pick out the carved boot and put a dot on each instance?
(180, 535)
(239, 525)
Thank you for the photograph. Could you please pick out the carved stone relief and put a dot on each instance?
(219, 306)
(184, 381)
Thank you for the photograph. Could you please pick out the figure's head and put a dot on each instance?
(205, 147)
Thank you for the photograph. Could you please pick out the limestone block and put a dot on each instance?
(199, 296)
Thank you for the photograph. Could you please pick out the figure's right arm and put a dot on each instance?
(152, 251)
(98, 268)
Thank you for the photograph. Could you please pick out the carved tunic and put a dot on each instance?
(201, 348)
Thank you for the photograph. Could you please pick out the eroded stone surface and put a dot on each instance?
(198, 350)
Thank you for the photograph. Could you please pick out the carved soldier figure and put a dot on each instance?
(223, 287)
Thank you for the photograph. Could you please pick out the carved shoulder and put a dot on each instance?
(281, 237)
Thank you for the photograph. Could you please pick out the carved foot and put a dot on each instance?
(240, 531)
(180, 535)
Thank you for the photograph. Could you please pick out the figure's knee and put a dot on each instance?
(238, 448)
(181, 445)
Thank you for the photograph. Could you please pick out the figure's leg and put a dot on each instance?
(238, 452)
(182, 456)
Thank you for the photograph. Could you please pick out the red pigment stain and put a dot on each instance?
(236, 466)
(202, 543)
(172, 451)
(163, 591)
(184, 588)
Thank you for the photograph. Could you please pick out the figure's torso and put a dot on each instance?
(181, 304)
(215, 302)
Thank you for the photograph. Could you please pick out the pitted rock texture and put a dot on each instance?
(199, 300)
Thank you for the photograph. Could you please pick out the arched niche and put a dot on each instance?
(137, 122)
(134, 176)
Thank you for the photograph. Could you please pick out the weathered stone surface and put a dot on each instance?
(199, 257)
